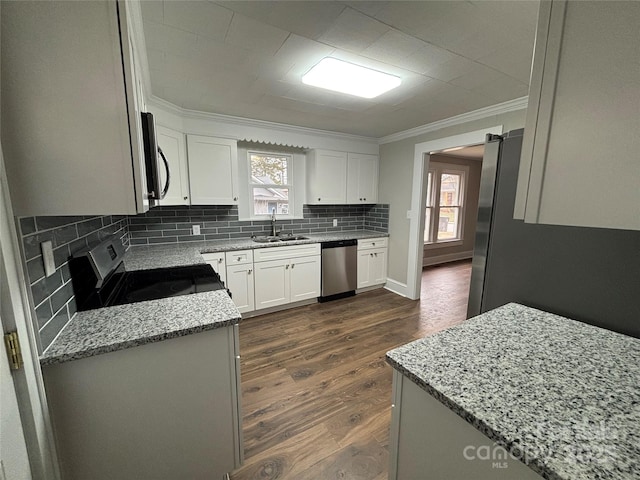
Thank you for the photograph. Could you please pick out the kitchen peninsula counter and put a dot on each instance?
(109, 329)
(561, 396)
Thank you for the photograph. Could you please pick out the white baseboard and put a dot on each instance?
(397, 287)
(450, 257)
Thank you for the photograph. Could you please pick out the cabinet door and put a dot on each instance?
(71, 137)
(362, 178)
(213, 170)
(304, 278)
(579, 163)
(364, 268)
(272, 283)
(378, 266)
(372, 267)
(240, 283)
(216, 260)
(173, 146)
(326, 177)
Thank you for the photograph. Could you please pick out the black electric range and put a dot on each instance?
(100, 280)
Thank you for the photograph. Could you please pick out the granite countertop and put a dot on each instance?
(104, 330)
(147, 257)
(565, 393)
(109, 329)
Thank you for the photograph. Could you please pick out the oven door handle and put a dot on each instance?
(166, 166)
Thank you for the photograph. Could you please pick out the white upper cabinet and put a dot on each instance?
(579, 161)
(326, 177)
(362, 178)
(70, 111)
(213, 170)
(173, 146)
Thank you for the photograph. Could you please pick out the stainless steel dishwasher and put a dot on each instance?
(339, 269)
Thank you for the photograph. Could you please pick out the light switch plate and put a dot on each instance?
(47, 258)
(195, 229)
(335, 222)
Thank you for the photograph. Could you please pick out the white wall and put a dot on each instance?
(396, 177)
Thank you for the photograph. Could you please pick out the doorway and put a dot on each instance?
(422, 158)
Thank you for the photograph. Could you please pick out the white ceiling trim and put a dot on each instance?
(505, 107)
(253, 123)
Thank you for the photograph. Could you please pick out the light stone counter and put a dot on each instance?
(565, 393)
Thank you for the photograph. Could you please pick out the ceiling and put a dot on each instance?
(246, 58)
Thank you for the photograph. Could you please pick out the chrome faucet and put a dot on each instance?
(273, 223)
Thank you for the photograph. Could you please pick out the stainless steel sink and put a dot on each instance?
(287, 238)
(265, 239)
(277, 238)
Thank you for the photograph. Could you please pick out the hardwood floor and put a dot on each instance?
(316, 389)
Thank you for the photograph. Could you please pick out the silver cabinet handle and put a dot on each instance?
(239, 259)
(293, 265)
(319, 199)
(249, 272)
(371, 254)
(374, 244)
(219, 260)
(184, 198)
(235, 199)
(376, 254)
(286, 267)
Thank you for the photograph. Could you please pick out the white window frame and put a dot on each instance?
(437, 169)
(290, 185)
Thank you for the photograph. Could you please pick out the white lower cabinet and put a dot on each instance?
(427, 436)
(272, 283)
(372, 267)
(286, 274)
(134, 413)
(240, 279)
(372, 262)
(217, 261)
(304, 278)
(240, 284)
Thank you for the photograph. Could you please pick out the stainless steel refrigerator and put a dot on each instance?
(589, 274)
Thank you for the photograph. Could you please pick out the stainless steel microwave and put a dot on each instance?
(152, 155)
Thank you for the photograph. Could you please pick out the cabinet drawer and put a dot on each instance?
(239, 257)
(217, 257)
(277, 253)
(367, 243)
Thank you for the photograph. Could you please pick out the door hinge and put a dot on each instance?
(13, 350)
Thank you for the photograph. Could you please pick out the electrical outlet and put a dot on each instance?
(195, 229)
(47, 258)
(335, 222)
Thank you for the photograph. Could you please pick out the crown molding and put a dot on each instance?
(500, 108)
(249, 122)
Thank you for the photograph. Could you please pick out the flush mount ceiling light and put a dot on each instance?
(344, 77)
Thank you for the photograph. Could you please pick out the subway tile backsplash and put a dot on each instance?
(52, 297)
(173, 224)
